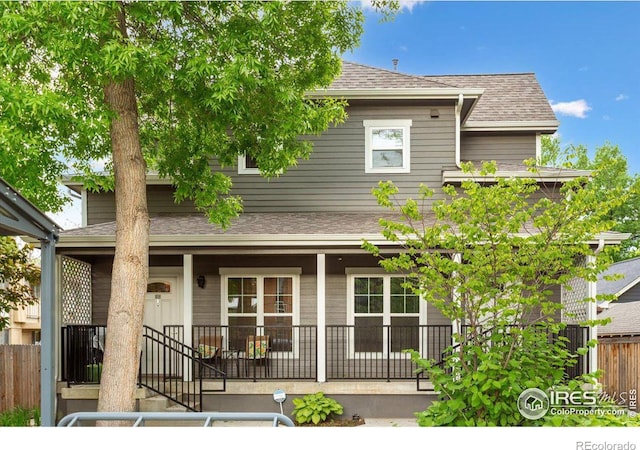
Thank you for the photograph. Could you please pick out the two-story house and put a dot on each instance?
(291, 267)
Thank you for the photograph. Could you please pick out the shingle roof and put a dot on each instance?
(507, 97)
(249, 224)
(630, 275)
(348, 228)
(511, 97)
(360, 76)
(624, 319)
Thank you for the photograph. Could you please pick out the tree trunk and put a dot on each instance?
(130, 264)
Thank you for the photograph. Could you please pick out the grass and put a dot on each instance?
(20, 417)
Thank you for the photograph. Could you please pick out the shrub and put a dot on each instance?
(20, 417)
(315, 408)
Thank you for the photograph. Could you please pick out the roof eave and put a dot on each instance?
(542, 126)
(397, 93)
(545, 176)
(233, 240)
(268, 240)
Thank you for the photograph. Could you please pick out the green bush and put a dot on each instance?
(479, 384)
(20, 417)
(315, 408)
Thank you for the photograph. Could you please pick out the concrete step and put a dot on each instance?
(156, 403)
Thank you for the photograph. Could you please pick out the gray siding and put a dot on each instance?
(435, 317)
(333, 179)
(101, 206)
(510, 148)
(336, 297)
(631, 295)
(101, 283)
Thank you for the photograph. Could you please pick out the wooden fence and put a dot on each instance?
(19, 376)
(619, 359)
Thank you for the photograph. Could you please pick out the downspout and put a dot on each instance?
(457, 145)
(592, 312)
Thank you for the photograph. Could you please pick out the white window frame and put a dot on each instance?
(260, 274)
(352, 274)
(370, 126)
(243, 169)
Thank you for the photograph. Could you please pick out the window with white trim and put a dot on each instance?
(261, 304)
(385, 313)
(247, 165)
(387, 146)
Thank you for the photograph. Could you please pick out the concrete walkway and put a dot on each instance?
(390, 423)
(387, 422)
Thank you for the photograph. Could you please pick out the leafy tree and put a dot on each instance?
(177, 87)
(610, 171)
(488, 256)
(18, 274)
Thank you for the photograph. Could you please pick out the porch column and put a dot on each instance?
(592, 314)
(48, 335)
(455, 298)
(321, 317)
(187, 310)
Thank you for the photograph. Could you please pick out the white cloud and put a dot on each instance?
(606, 117)
(576, 108)
(621, 97)
(404, 4)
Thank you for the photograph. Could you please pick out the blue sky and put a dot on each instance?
(585, 54)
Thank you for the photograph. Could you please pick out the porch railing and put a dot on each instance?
(82, 348)
(352, 352)
(292, 351)
(376, 352)
(575, 337)
(167, 367)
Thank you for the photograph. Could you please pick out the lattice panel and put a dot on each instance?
(76, 292)
(573, 297)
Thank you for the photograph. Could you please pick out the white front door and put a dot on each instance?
(163, 306)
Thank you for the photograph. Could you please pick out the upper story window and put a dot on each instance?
(247, 165)
(387, 146)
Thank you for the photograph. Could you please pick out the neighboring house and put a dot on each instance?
(291, 266)
(619, 340)
(24, 326)
(624, 311)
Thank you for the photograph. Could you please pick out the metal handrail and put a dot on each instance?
(138, 419)
(158, 343)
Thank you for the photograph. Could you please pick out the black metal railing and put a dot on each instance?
(352, 352)
(168, 366)
(82, 349)
(377, 352)
(291, 351)
(575, 337)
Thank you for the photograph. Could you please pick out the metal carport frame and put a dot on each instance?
(19, 217)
